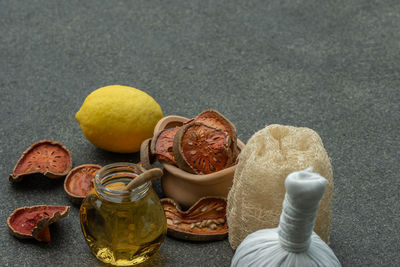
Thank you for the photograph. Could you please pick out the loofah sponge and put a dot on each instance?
(271, 154)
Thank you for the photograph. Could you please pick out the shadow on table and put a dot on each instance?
(37, 182)
(107, 157)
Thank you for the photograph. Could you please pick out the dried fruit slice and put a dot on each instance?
(161, 145)
(47, 157)
(33, 222)
(215, 119)
(202, 149)
(204, 221)
(146, 157)
(79, 181)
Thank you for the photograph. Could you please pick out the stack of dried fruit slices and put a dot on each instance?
(202, 145)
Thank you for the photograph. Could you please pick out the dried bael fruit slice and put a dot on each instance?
(161, 145)
(202, 149)
(204, 221)
(146, 157)
(217, 120)
(78, 182)
(33, 222)
(47, 157)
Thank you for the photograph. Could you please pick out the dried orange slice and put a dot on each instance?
(161, 145)
(79, 181)
(47, 157)
(201, 149)
(33, 222)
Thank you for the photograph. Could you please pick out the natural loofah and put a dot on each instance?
(271, 154)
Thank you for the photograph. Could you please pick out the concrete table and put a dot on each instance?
(332, 66)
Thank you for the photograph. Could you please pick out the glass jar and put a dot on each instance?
(122, 227)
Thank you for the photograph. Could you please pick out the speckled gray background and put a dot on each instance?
(333, 66)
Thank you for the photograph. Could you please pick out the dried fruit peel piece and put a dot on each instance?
(202, 149)
(44, 235)
(79, 181)
(33, 222)
(204, 221)
(146, 157)
(217, 120)
(47, 157)
(162, 143)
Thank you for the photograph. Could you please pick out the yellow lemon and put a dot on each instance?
(118, 118)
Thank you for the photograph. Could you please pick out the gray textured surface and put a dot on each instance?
(333, 66)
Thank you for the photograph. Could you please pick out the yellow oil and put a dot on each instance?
(124, 233)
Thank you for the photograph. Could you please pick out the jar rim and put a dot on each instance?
(114, 168)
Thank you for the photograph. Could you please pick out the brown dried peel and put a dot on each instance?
(161, 145)
(217, 120)
(47, 157)
(204, 221)
(202, 149)
(33, 222)
(79, 181)
(146, 157)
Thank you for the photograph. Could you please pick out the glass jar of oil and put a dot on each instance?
(122, 228)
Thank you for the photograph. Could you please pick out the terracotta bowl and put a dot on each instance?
(187, 188)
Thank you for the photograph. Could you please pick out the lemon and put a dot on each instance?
(118, 118)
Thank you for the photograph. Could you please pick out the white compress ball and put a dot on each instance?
(293, 243)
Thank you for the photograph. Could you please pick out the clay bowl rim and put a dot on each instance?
(212, 178)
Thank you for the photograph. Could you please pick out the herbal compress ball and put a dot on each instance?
(293, 243)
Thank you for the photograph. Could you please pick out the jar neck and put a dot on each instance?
(120, 173)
